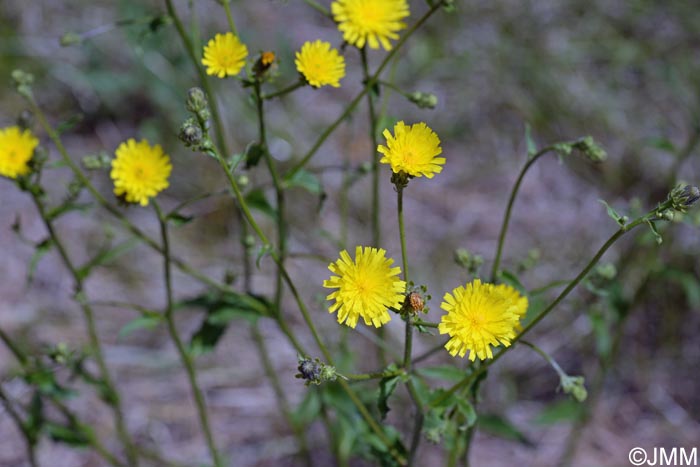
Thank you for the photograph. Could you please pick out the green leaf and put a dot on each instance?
(262, 252)
(449, 373)
(530, 143)
(614, 215)
(253, 153)
(73, 436)
(663, 144)
(221, 309)
(106, 256)
(510, 278)
(65, 208)
(143, 322)
(35, 417)
(466, 410)
(306, 180)
(499, 426)
(178, 219)
(657, 236)
(256, 199)
(386, 389)
(308, 410)
(40, 251)
(563, 411)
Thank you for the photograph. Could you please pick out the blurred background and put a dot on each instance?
(626, 73)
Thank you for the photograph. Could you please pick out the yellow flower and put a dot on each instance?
(478, 316)
(513, 296)
(140, 171)
(16, 150)
(370, 21)
(413, 149)
(320, 64)
(366, 287)
(224, 55)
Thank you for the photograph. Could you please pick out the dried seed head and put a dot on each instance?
(416, 302)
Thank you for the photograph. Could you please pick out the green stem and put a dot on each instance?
(185, 357)
(509, 209)
(374, 156)
(548, 358)
(373, 375)
(318, 7)
(368, 85)
(216, 116)
(114, 400)
(17, 419)
(302, 306)
(279, 285)
(95, 443)
(408, 342)
(425, 324)
(85, 181)
(619, 233)
(283, 91)
(281, 398)
(229, 16)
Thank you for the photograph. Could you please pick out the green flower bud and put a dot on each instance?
(191, 134)
(590, 149)
(196, 101)
(70, 38)
(683, 196)
(424, 100)
(314, 371)
(97, 161)
(23, 82)
(574, 386)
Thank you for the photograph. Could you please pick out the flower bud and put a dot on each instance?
(97, 161)
(191, 134)
(70, 38)
(590, 149)
(196, 100)
(23, 82)
(424, 100)
(314, 371)
(263, 64)
(574, 386)
(684, 196)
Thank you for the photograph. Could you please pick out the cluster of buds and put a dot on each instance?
(23, 82)
(98, 161)
(574, 386)
(194, 132)
(315, 372)
(588, 147)
(424, 100)
(469, 261)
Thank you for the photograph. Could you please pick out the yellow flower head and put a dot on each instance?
(140, 171)
(412, 149)
(370, 21)
(366, 287)
(510, 294)
(16, 150)
(320, 64)
(224, 55)
(478, 316)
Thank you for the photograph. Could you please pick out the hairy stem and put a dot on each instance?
(114, 400)
(184, 354)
